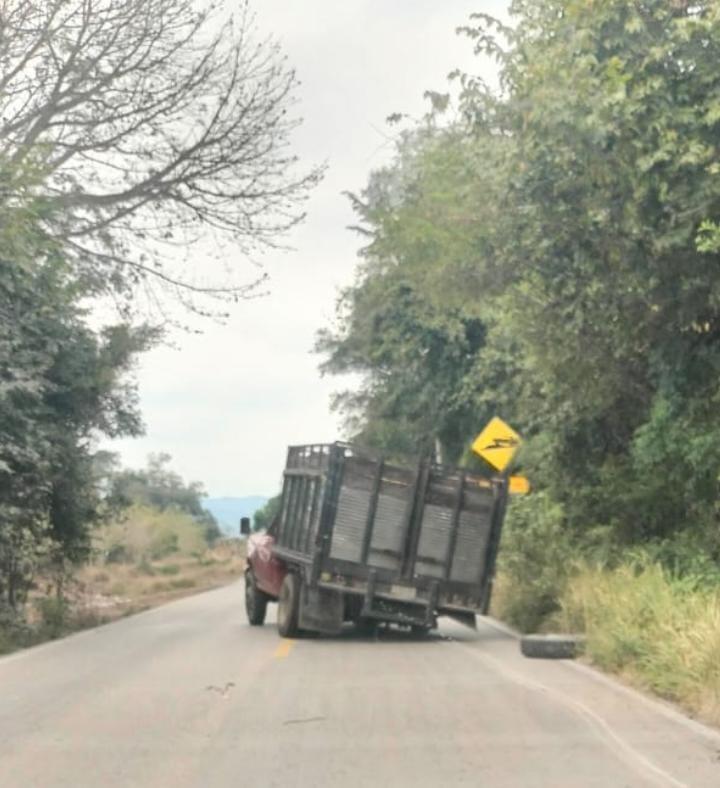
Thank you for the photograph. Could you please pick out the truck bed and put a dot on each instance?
(407, 540)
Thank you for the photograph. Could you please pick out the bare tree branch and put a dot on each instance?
(152, 123)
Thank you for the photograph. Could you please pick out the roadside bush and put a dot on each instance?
(7, 641)
(143, 531)
(661, 630)
(536, 559)
(163, 544)
(684, 555)
(53, 611)
(14, 632)
(145, 567)
(118, 554)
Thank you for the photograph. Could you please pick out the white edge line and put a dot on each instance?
(664, 707)
(633, 757)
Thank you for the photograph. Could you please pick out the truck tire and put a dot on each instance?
(550, 646)
(366, 627)
(420, 630)
(289, 606)
(255, 601)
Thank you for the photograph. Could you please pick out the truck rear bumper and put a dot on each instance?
(382, 605)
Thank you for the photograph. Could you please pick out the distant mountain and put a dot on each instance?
(228, 511)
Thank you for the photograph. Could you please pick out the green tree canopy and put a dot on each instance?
(573, 214)
(160, 487)
(62, 385)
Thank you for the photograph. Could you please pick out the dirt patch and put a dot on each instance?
(103, 592)
(116, 590)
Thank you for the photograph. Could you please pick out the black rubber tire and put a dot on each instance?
(255, 601)
(366, 627)
(550, 646)
(420, 630)
(289, 606)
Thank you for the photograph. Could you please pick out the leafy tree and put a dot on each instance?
(574, 214)
(414, 358)
(613, 113)
(407, 325)
(159, 487)
(61, 385)
(262, 519)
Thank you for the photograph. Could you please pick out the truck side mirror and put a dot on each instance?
(244, 526)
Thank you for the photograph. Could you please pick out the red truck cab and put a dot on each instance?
(264, 574)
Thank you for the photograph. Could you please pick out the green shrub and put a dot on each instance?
(143, 530)
(645, 623)
(14, 632)
(536, 559)
(118, 554)
(684, 555)
(7, 642)
(54, 612)
(163, 544)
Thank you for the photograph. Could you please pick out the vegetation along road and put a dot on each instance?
(188, 694)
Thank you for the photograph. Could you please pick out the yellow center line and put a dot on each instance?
(282, 651)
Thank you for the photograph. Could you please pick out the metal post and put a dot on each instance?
(372, 508)
(416, 516)
(333, 482)
(493, 544)
(452, 537)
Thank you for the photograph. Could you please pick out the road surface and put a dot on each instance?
(190, 695)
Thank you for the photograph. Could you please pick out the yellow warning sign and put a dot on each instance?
(497, 443)
(518, 485)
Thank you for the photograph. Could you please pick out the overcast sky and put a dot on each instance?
(226, 403)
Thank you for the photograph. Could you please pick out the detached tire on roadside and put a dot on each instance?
(255, 601)
(289, 606)
(550, 646)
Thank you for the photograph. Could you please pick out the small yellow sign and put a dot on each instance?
(497, 443)
(518, 485)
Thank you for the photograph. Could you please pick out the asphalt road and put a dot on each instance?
(190, 695)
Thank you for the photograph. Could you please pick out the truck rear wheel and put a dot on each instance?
(255, 601)
(420, 630)
(289, 606)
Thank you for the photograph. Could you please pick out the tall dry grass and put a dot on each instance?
(660, 631)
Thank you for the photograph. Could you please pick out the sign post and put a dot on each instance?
(497, 444)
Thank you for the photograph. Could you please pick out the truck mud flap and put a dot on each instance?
(321, 610)
(465, 617)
